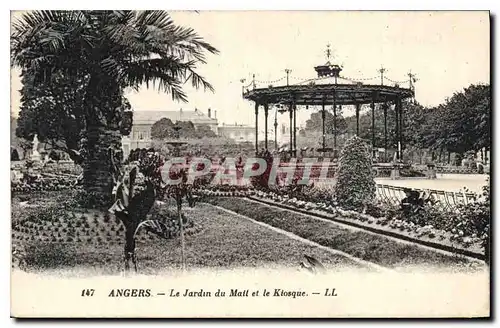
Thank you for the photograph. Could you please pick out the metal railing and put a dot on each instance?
(447, 200)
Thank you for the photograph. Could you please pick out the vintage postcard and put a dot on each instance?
(250, 164)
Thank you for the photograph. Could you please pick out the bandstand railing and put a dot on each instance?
(446, 200)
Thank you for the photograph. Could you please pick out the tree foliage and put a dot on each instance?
(164, 129)
(127, 47)
(460, 124)
(96, 55)
(465, 121)
(315, 123)
(365, 126)
(55, 112)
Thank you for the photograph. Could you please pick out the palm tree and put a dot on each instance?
(112, 50)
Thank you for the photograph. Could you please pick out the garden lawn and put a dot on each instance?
(367, 246)
(93, 242)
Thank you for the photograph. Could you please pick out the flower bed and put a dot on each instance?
(225, 241)
(43, 225)
(365, 245)
(462, 228)
(49, 177)
(34, 183)
(64, 223)
(457, 231)
(426, 235)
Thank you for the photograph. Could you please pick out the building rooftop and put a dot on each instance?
(235, 127)
(151, 116)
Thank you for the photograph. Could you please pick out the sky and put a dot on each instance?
(447, 51)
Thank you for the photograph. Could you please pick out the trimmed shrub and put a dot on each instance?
(355, 187)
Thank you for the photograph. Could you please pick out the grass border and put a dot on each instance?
(369, 246)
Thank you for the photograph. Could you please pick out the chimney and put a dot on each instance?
(215, 114)
(196, 110)
(209, 113)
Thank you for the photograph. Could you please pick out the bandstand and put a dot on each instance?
(330, 88)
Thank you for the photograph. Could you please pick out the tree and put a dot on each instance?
(355, 187)
(459, 125)
(187, 130)
(107, 51)
(466, 120)
(204, 131)
(162, 129)
(365, 127)
(54, 112)
(315, 123)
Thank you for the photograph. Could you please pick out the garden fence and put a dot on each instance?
(447, 200)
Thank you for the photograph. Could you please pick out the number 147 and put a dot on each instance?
(87, 292)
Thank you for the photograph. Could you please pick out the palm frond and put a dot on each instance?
(128, 46)
(165, 74)
(154, 226)
(44, 41)
(197, 81)
(186, 43)
(158, 18)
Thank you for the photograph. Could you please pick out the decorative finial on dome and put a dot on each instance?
(328, 69)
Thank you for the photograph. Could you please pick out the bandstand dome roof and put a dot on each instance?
(326, 87)
(318, 91)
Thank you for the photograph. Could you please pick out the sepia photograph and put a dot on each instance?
(253, 164)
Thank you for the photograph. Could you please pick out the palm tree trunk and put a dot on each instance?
(97, 178)
(103, 137)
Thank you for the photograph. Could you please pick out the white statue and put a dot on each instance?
(35, 155)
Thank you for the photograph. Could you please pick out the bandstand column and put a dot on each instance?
(372, 105)
(266, 112)
(357, 119)
(294, 129)
(276, 129)
(290, 110)
(323, 123)
(334, 124)
(385, 106)
(401, 127)
(396, 111)
(256, 127)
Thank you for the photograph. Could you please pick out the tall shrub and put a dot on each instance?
(355, 187)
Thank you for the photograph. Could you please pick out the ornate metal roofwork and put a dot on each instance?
(317, 94)
(329, 84)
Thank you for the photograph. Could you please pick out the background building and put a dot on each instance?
(140, 135)
(237, 132)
